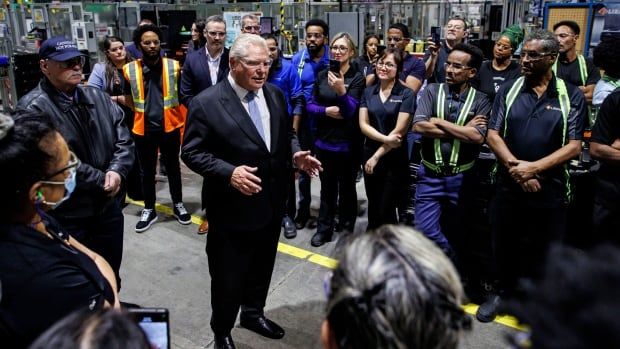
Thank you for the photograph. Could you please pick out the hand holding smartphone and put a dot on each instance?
(155, 322)
(436, 35)
(334, 66)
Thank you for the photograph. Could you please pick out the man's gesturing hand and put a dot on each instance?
(245, 181)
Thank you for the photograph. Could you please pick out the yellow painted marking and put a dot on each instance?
(331, 263)
(282, 247)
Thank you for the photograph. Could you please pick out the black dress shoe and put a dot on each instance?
(300, 222)
(320, 238)
(290, 231)
(488, 310)
(263, 326)
(224, 342)
(312, 222)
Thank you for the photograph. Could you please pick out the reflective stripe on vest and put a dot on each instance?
(174, 113)
(564, 106)
(583, 68)
(460, 121)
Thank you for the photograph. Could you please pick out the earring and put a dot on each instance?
(39, 197)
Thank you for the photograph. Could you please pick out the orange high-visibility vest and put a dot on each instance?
(174, 113)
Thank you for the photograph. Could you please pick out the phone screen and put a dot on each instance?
(436, 34)
(334, 66)
(155, 323)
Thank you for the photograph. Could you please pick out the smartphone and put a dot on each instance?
(155, 322)
(334, 66)
(436, 35)
(380, 50)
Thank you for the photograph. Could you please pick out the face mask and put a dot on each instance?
(69, 183)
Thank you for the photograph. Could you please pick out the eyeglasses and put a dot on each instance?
(72, 62)
(216, 34)
(455, 66)
(249, 28)
(394, 38)
(386, 65)
(149, 43)
(563, 35)
(454, 26)
(502, 46)
(256, 64)
(535, 56)
(72, 165)
(314, 35)
(339, 48)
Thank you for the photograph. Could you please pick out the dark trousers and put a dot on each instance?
(384, 189)
(436, 204)
(606, 211)
(290, 198)
(523, 231)
(103, 234)
(337, 188)
(169, 145)
(240, 265)
(306, 141)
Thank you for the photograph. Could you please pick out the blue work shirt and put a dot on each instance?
(284, 75)
(307, 69)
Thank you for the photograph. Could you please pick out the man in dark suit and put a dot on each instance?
(238, 136)
(204, 68)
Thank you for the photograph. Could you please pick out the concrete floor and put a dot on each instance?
(166, 266)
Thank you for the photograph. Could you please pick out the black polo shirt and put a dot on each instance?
(570, 72)
(535, 127)
(383, 116)
(439, 73)
(427, 108)
(489, 80)
(605, 131)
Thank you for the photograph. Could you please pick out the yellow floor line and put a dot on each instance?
(330, 263)
(282, 247)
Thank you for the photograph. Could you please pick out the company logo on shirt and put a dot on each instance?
(549, 107)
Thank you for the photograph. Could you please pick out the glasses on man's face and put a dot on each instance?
(252, 28)
(455, 66)
(216, 34)
(256, 64)
(534, 56)
(386, 65)
(72, 165)
(314, 35)
(342, 49)
(394, 39)
(151, 43)
(455, 26)
(70, 63)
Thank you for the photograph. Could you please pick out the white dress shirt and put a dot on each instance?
(262, 106)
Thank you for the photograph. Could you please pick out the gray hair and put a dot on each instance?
(239, 48)
(549, 42)
(249, 16)
(394, 288)
(216, 19)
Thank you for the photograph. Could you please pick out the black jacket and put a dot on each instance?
(96, 135)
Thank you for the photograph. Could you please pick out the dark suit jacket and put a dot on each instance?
(219, 136)
(196, 76)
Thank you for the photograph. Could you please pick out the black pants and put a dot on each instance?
(291, 205)
(385, 187)
(103, 234)
(606, 211)
(337, 188)
(169, 145)
(240, 265)
(522, 234)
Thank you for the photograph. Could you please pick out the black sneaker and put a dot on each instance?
(181, 214)
(488, 310)
(147, 219)
(320, 238)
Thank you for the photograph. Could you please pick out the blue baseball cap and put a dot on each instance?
(59, 48)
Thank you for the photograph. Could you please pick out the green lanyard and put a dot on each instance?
(615, 83)
(583, 69)
(460, 121)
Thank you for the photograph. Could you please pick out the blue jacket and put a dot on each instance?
(308, 70)
(195, 76)
(284, 75)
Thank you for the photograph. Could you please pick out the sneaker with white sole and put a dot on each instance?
(147, 218)
(181, 214)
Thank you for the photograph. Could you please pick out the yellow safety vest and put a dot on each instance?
(174, 112)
